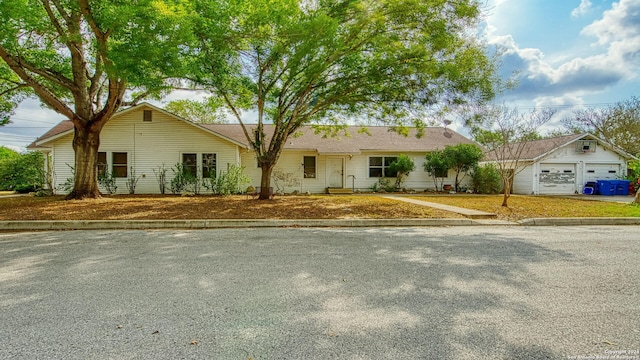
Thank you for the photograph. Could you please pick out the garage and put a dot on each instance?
(595, 172)
(557, 179)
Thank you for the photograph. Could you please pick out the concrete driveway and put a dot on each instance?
(380, 293)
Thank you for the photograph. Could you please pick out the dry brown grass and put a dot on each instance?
(152, 207)
(525, 207)
(124, 207)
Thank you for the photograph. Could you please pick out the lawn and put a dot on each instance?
(525, 207)
(129, 207)
(125, 207)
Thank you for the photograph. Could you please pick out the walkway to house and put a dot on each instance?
(469, 213)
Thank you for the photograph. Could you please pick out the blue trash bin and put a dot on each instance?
(590, 188)
(606, 187)
(622, 187)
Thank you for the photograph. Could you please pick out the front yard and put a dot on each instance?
(124, 207)
(526, 207)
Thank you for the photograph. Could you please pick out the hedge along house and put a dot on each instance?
(139, 140)
(563, 165)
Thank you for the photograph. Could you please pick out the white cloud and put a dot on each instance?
(621, 23)
(581, 10)
(616, 59)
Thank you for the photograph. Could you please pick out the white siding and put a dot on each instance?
(523, 181)
(528, 181)
(149, 145)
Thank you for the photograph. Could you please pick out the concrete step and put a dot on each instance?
(339, 191)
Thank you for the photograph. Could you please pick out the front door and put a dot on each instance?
(335, 172)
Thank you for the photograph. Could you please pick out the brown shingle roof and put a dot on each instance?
(376, 138)
(536, 148)
(61, 127)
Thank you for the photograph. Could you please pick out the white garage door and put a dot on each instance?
(557, 179)
(595, 172)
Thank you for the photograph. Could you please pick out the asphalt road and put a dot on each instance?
(289, 293)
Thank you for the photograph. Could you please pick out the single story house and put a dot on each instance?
(563, 165)
(140, 139)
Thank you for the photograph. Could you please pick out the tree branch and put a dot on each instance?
(45, 94)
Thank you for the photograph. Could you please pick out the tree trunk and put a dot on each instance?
(265, 181)
(85, 145)
(636, 200)
(506, 192)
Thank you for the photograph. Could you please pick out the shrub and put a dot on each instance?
(486, 179)
(402, 166)
(183, 181)
(108, 181)
(161, 176)
(22, 172)
(229, 182)
(132, 181)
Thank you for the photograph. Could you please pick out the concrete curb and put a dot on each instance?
(214, 224)
(256, 223)
(580, 221)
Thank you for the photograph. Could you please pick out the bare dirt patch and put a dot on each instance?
(157, 207)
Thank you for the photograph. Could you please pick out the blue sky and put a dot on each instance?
(567, 54)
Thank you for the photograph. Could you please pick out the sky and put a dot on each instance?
(564, 54)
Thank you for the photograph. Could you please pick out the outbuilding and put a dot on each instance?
(563, 165)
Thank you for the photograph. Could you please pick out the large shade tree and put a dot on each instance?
(326, 62)
(87, 58)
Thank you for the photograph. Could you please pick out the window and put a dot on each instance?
(102, 163)
(190, 164)
(147, 115)
(379, 166)
(119, 161)
(208, 166)
(309, 164)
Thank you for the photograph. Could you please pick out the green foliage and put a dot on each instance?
(67, 185)
(299, 62)
(486, 179)
(462, 158)
(437, 165)
(85, 61)
(108, 182)
(8, 154)
(402, 166)
(183, 181)
(228, 182)
(383, 185)
(21, 172)
(209, 111)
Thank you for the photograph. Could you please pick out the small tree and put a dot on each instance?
(462, 158)
(436, 165)
(402, 166)
(507, 133)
